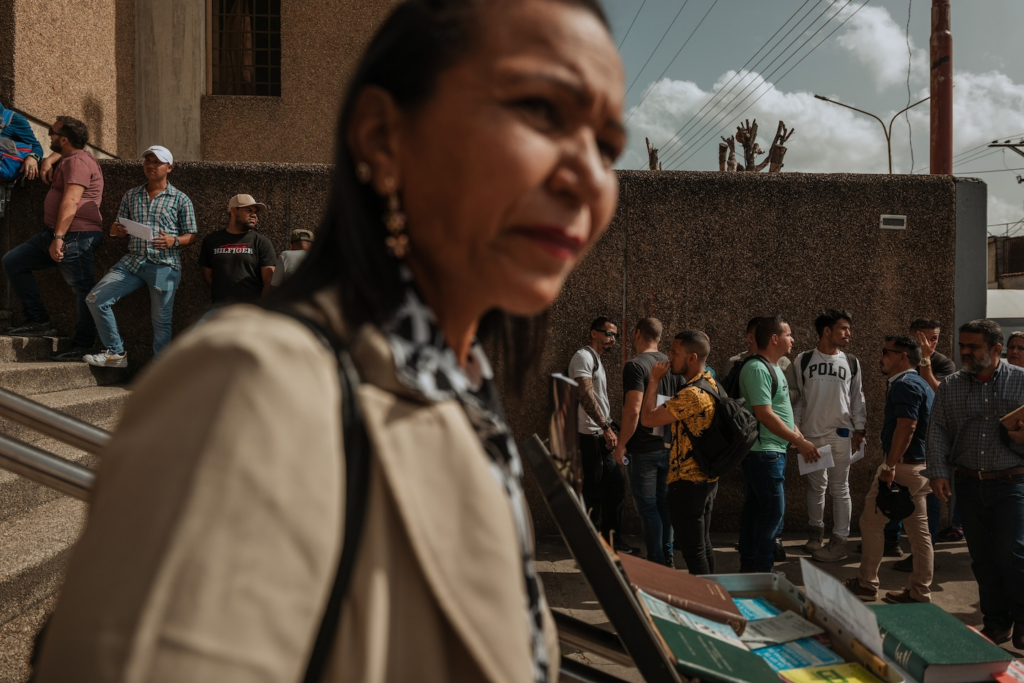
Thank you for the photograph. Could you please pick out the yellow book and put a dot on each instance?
(836, 673)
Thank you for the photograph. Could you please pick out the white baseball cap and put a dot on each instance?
(161, 153)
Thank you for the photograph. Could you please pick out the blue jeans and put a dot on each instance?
(162, 282)
(76, 268)
(764, 477)
(993, 515)
(648, 481)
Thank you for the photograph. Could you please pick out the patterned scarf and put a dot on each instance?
(425, 364)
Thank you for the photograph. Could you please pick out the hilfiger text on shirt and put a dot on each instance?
(233, 249)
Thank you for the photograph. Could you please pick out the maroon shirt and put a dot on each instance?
(79, 168)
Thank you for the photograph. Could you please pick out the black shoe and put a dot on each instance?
(904, 565)
(625, 549)
(1018, 635)
(780, 551)
(889, 550)
(72, 355)
(32, 330)
(998, 636)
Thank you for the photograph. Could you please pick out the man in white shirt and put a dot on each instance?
(829, 410)
(604, 486)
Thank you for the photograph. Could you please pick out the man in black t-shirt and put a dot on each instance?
(238, 262)
(646, 447)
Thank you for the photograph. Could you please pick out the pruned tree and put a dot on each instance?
(652, 156)
(746, 135)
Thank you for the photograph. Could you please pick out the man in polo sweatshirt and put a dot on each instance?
(829, 410)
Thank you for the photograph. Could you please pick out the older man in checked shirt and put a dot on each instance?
(965, 437)
(155, 264)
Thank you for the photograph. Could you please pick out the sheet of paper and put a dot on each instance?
(143, 232)
(830, 596)
(660, 608)
(784, 628)
(660, 431)
(824, 462)
(859, 454)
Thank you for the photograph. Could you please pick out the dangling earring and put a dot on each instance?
(364, 173)
(397, 241)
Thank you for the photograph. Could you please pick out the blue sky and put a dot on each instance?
(863, 63)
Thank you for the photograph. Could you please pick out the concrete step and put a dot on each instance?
(44, 378)
(95, 405)
(17, 638)
(27, 349)
(20, 496)
(33, 554)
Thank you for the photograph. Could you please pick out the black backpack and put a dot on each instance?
(732, 380)
(729, 437)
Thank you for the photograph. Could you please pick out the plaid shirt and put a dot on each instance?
(964, 428)
(169, 212)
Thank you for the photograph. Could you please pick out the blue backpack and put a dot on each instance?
(12, 156)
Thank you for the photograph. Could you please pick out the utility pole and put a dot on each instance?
(887, 132)
(941, 152)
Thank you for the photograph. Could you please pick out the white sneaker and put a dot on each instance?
(106, 359)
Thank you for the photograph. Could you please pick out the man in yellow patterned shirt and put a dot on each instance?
(691, 493)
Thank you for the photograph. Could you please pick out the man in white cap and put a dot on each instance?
(152, 263)
(238, 262)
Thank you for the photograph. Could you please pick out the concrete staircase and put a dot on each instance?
(38, 526)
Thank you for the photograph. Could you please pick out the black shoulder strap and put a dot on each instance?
(853, 363)
(593, 354)
(357, 487)
(771, 371)
(705, 386)
(805, 360)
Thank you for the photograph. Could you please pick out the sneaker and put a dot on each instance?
(1018, 635)
(904, 565)
(866, 594)
(951, 535)
(620, 547)
(779, 573)
(815, 540)
(75, 354)
(835, 551)
(32, 330)
(780, 551)
(902, 597)
(106, 359)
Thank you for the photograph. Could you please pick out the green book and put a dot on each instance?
(711, 659)
(933, 646)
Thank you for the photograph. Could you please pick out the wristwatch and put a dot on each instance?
(925, 362)
(885, 467)
(175, 240)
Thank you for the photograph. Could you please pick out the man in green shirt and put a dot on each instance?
(764, 388)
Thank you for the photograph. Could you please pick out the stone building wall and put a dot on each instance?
(704, 250)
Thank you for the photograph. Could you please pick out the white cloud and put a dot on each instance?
(880, 44)
(1002, 211)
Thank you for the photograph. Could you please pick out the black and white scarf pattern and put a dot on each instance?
(425, 364)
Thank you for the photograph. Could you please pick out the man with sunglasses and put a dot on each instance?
(908, 407)
(604, 487)
(74, 228)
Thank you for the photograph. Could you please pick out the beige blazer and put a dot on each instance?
(214, 535)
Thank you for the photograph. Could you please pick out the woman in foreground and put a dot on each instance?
(474, 170)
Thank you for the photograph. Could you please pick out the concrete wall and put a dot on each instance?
(972, 256)
(705, 250)
(321, 42)
(76, 72)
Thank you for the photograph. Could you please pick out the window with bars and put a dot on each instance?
(245, 47)
(1013, 256)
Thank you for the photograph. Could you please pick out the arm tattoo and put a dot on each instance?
(588, 400)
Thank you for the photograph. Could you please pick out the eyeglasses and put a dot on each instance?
(54, 132)
(609, 333)
(886, 352)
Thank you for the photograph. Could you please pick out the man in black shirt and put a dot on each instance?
(238, 262)
(646, 448)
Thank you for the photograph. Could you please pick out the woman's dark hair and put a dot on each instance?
(418, 41)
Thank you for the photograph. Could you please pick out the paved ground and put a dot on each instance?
(954, 588)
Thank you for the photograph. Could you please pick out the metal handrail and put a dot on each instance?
(50, 422)
(42, 466)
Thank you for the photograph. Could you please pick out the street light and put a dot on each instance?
(886, 131)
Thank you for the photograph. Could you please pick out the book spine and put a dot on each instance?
(737, 624)
(904, 657)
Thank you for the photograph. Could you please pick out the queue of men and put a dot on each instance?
(237, 262)
(940, 437)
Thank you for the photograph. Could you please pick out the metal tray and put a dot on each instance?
(784, 595)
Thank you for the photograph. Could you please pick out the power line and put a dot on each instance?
(687, 127)
(995, 170)
(623, 41)
(656, 47)
(672, 61)
(772, 85)
(716, 95)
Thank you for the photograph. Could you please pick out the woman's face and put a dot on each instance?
(506, 173)
(1015, 351)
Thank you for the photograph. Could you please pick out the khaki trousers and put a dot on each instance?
(872, 524)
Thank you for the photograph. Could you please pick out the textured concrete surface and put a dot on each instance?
(27, 349)
(20, 496)
(321, 43)
(954, 588)
(711, 250)
(96, 405)
(46, 377)
(17, 637)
